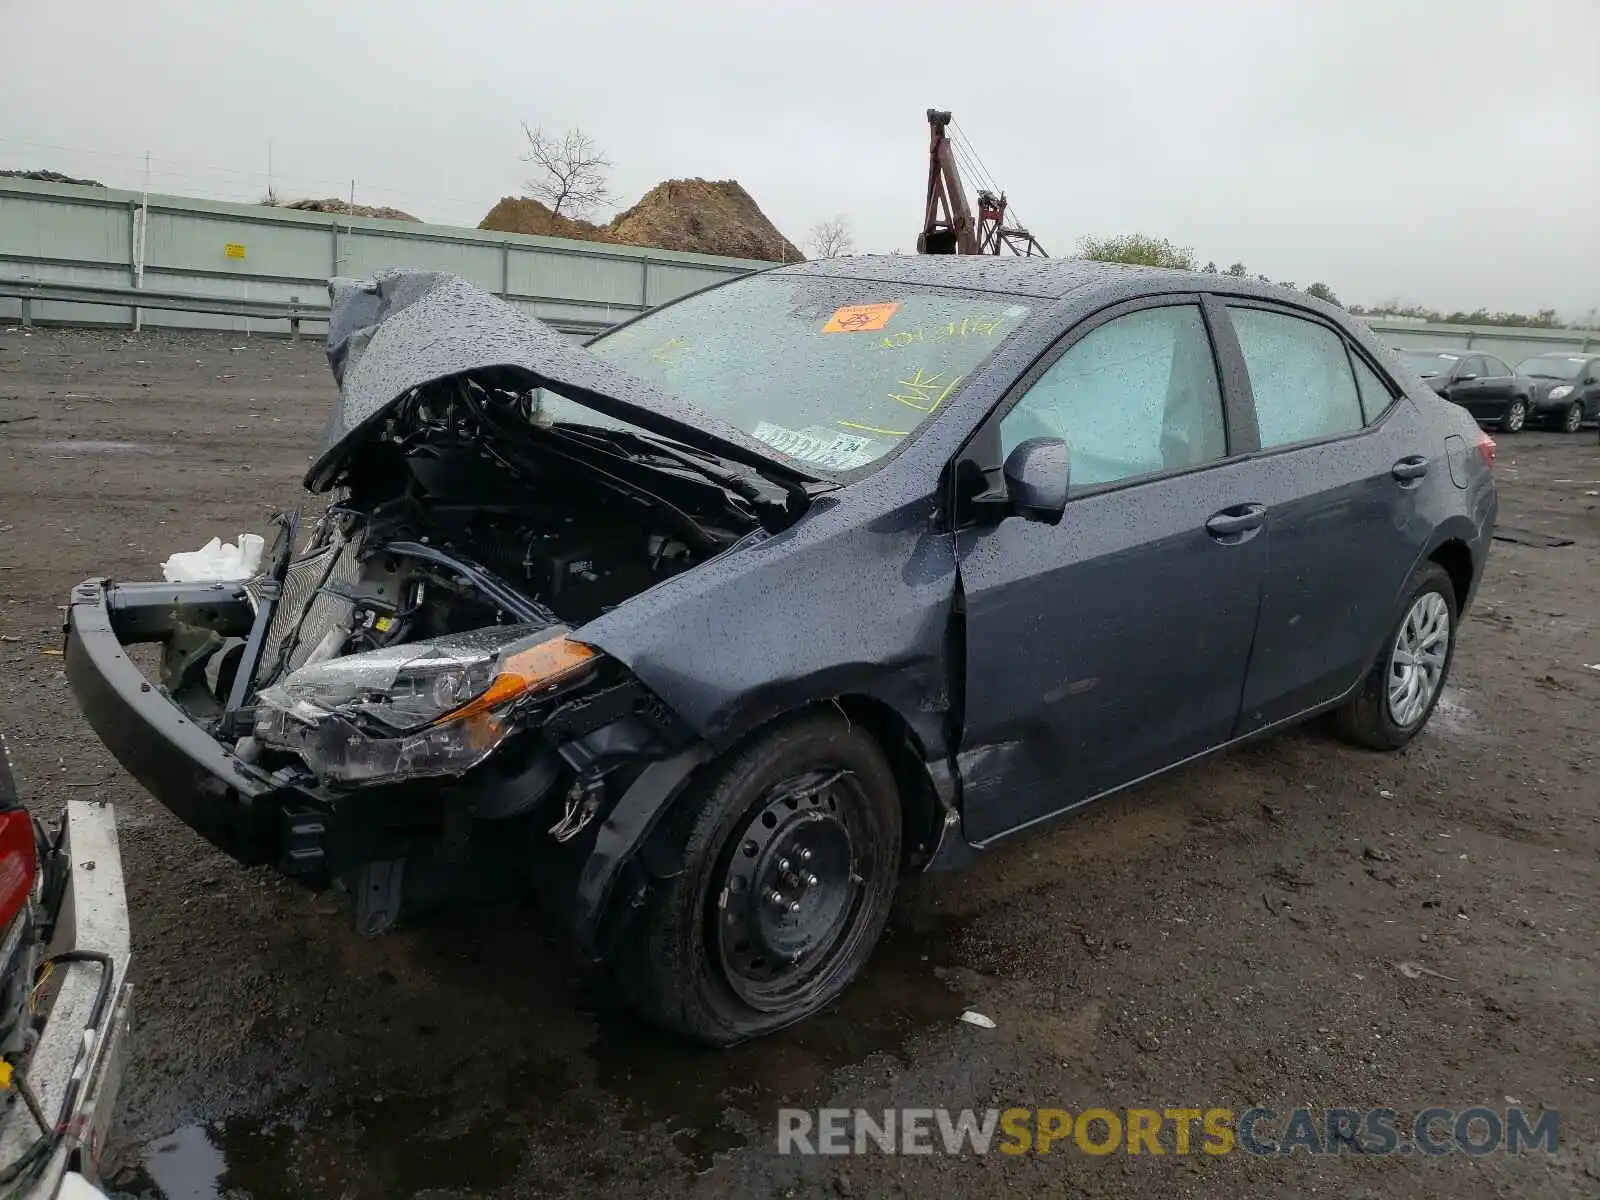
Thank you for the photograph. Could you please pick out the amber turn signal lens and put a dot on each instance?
(526, 671)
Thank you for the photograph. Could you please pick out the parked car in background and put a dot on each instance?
(64, 996)
(1565, 389)
(829, 572)
(1480, 383)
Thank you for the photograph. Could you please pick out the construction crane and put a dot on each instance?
(947, 223)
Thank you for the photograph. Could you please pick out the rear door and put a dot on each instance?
(1499, 383)
(1339, 473)
(1115, 643)
(1467, 383)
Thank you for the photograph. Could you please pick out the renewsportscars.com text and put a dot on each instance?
(1160, 1131)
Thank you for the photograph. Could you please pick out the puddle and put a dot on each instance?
(368, 1151)
(630, 1082)
(86, 446)
(711, 1101)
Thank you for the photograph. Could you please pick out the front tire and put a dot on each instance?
(791, 851)
(1572, 418)
(1516, 416)
(1399, 693)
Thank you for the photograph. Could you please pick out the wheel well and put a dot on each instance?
(919, 807)
(1456, 560)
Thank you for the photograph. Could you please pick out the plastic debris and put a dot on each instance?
(217, 561)
(972, 1017)
(1413, 970)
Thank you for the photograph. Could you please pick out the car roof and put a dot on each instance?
(1038, 278)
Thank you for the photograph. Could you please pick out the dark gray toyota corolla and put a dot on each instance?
(712, 629)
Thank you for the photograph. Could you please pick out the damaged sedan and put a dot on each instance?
(711, 629)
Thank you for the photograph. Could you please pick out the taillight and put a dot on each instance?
(1486, 448)
(18, 862)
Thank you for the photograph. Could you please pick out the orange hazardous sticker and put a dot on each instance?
(860, 318)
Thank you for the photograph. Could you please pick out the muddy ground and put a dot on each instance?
(1227, 937)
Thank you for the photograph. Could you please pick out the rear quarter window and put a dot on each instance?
(1376, 394)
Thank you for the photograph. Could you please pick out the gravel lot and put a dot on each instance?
(1229, 936)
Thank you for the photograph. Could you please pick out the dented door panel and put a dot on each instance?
(1103, 648)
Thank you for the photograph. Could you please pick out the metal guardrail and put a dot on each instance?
(29, 291)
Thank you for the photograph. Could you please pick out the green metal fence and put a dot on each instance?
(63, 234)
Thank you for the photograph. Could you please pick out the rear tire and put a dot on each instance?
(1516, 416)
(1386, 711)
(1572, 418)
(791, 851)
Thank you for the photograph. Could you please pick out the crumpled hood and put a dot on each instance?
(403, 329)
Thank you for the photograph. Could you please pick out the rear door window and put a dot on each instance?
(1494, 368)
(1300, 377)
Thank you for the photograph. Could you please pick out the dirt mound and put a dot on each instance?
(705, 217)
(698, 216)
(521, 215)
(345, 208)
(51, 177)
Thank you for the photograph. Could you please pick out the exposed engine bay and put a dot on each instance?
(465, 475)
(471, 529)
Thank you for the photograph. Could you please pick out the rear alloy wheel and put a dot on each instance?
(1417, 657)
(1398, 694)
(1516, 416)
(791, 849)
(1572, 419)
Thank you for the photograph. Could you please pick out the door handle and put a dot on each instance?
(1414, 466)
(1241, 518)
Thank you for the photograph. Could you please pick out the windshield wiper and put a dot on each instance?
(761, 490)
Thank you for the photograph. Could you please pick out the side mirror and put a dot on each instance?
(1464, 377)
(1037, 473)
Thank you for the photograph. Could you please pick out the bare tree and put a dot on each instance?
(572, 171)
(830, 239)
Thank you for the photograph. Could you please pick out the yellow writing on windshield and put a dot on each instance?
(669, 351)
(895, 433)
(966, 327)
(925, 392)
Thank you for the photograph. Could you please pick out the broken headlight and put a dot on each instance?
(429, 708)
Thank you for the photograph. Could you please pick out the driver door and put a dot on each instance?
(1115, 643)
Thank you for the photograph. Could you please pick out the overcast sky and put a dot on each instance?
(1440, 151)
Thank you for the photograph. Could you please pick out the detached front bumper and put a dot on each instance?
(232, 804)
(250, 814)
(76, 1067)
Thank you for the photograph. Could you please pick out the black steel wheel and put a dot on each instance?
(790, 851)
(790, 886)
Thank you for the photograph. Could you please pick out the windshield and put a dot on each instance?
(832, 373)
(1552, 366)
(1428, 363)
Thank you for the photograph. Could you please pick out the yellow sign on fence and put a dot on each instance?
(233, 250)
